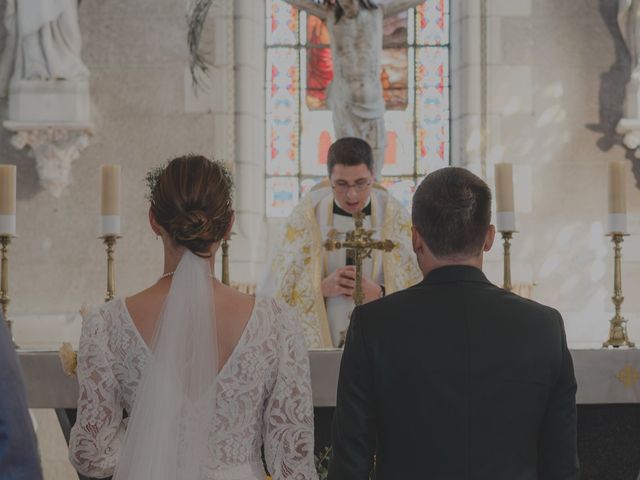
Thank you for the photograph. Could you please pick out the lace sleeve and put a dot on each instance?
(288, 417)
(99, 430)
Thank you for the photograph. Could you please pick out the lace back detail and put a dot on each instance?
(263, 396)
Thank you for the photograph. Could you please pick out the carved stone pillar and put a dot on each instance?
(249, 246)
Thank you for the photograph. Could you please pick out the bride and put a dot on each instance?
(208, 375)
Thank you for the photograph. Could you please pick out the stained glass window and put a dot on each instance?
(415, 80)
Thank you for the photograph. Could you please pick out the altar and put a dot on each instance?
(608, 402)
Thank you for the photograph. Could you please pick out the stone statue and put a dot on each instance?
(355, 95)
(41, 65)
(43, 42)
(629, 24)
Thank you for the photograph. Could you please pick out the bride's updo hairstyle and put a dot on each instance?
(191, 198)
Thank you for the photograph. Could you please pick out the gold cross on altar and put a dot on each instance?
(628, 376)
(360, 242)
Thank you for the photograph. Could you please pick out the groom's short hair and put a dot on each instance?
(452, 212)
(350, 151)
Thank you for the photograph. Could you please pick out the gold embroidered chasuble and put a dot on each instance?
(299, 263)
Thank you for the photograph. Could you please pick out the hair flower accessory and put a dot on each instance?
(68, 358)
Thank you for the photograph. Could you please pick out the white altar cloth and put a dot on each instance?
(604, 376)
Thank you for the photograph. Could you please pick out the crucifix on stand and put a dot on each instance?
(359, 241)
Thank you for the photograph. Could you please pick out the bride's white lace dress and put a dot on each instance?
(263, 397)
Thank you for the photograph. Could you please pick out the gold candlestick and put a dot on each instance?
(110, 242)
(225, 262)
(618, 324)
(5, 240)
(506, 238)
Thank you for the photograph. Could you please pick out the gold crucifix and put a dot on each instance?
(360, 242)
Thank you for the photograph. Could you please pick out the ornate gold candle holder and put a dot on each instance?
(110, 242)
(5, 240)
(618, 324)
(507, 235)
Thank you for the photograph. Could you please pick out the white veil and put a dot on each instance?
(167, 436)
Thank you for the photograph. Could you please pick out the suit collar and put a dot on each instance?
(455, 273)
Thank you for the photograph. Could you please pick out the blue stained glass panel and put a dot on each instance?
(282, 195)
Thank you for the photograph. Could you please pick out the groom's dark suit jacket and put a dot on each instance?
(455, 379)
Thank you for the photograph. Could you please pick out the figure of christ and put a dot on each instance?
(355, 94)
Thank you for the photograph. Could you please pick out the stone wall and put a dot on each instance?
(556, 72)
(145, 112)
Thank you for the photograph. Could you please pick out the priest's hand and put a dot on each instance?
(340, 282)
(372, 291)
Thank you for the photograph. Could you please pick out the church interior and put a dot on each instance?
(549, 87)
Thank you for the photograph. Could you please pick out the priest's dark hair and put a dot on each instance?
(452, 212)
(350, 151)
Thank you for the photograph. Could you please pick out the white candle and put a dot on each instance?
(505, 212)
(110, 199)
(7, 199)
(617, 196)
(617, 187)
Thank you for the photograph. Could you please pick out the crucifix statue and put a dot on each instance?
(362, 245)
(355, 94)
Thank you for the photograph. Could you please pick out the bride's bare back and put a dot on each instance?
(233, 311)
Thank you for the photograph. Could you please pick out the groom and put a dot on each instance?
(455, 378)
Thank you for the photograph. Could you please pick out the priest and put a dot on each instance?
(320, 285)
